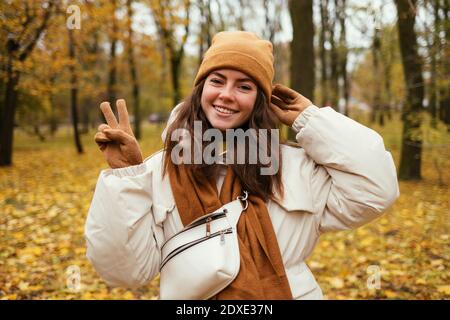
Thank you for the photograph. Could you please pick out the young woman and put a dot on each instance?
(339, 178)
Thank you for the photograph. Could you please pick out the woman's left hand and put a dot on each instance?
(287, 103)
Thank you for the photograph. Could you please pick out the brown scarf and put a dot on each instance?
(261, 275)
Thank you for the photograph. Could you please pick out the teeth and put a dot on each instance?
(224, 110)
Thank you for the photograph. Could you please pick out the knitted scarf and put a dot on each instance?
(261, 275)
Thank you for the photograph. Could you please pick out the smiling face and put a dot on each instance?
(228, 98)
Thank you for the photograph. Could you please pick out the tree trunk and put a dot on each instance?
(222, 24)
(444, 106)
(323, 53)
(343, 55)
(387, 71)
(410, 161)
(74, 93)
(8, 115)
(133, 75)
(163, 75)
(444, 90)
(434, 53)
(53, 117)
(272, 25)
(201, 48)
(240, 15)
(37, 132)
(376, 55)
(204, 37)
(166, 29)
(18, 49)
(302, 49)
(334, 80)
(85, 116)
(112, 58)
(175, 62)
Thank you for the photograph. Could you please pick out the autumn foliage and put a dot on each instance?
(53, 78)
(45, 196)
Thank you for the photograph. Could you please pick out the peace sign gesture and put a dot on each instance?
(116, 139)
(287, 104)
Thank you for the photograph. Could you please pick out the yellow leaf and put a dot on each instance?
(325, 243)
(421, 281)
(366, 241)
(390, 294)
(316, 265)
(419, 208)
(351, 278)
(398, 272)
(340, 246)
(35, 251)
(408, 223)
(35, 288)
(87, 296)
(128, 295)
(444, 289)
(361, 232)
(336, 282)
(361, 259)
(437, 262)
(18, 235)
(81, 250)
(23, 285)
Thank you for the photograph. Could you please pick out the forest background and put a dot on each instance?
(383, 63)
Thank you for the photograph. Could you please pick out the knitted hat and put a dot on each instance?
(243, 51)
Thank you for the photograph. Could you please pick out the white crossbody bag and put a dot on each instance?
(202, 259)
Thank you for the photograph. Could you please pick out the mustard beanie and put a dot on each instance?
(243, 51)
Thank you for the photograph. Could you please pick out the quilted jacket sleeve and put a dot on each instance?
(354, 178)
(120, 230)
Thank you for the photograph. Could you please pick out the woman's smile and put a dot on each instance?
(224, 111)
(228, 98)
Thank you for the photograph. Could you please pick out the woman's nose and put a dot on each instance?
(226, 93)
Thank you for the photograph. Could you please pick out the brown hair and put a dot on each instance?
(262, 117)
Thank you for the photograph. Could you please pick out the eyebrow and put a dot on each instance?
(223, 77)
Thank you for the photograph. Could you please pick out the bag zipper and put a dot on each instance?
(178, 250)
(199, 221)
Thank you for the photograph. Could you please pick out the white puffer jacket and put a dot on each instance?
(341, 178)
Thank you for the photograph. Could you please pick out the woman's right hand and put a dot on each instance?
(116, 139)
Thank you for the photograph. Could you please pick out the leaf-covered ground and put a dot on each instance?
(45, 196)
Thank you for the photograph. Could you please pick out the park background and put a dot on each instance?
(383, 63)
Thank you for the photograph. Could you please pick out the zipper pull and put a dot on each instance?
(222, 237)
(208, 226)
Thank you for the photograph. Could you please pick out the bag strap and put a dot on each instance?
(235, 208)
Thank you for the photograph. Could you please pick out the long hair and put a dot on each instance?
(262, 117)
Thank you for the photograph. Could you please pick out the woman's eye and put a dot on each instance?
(246, 87)
(215, 80)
